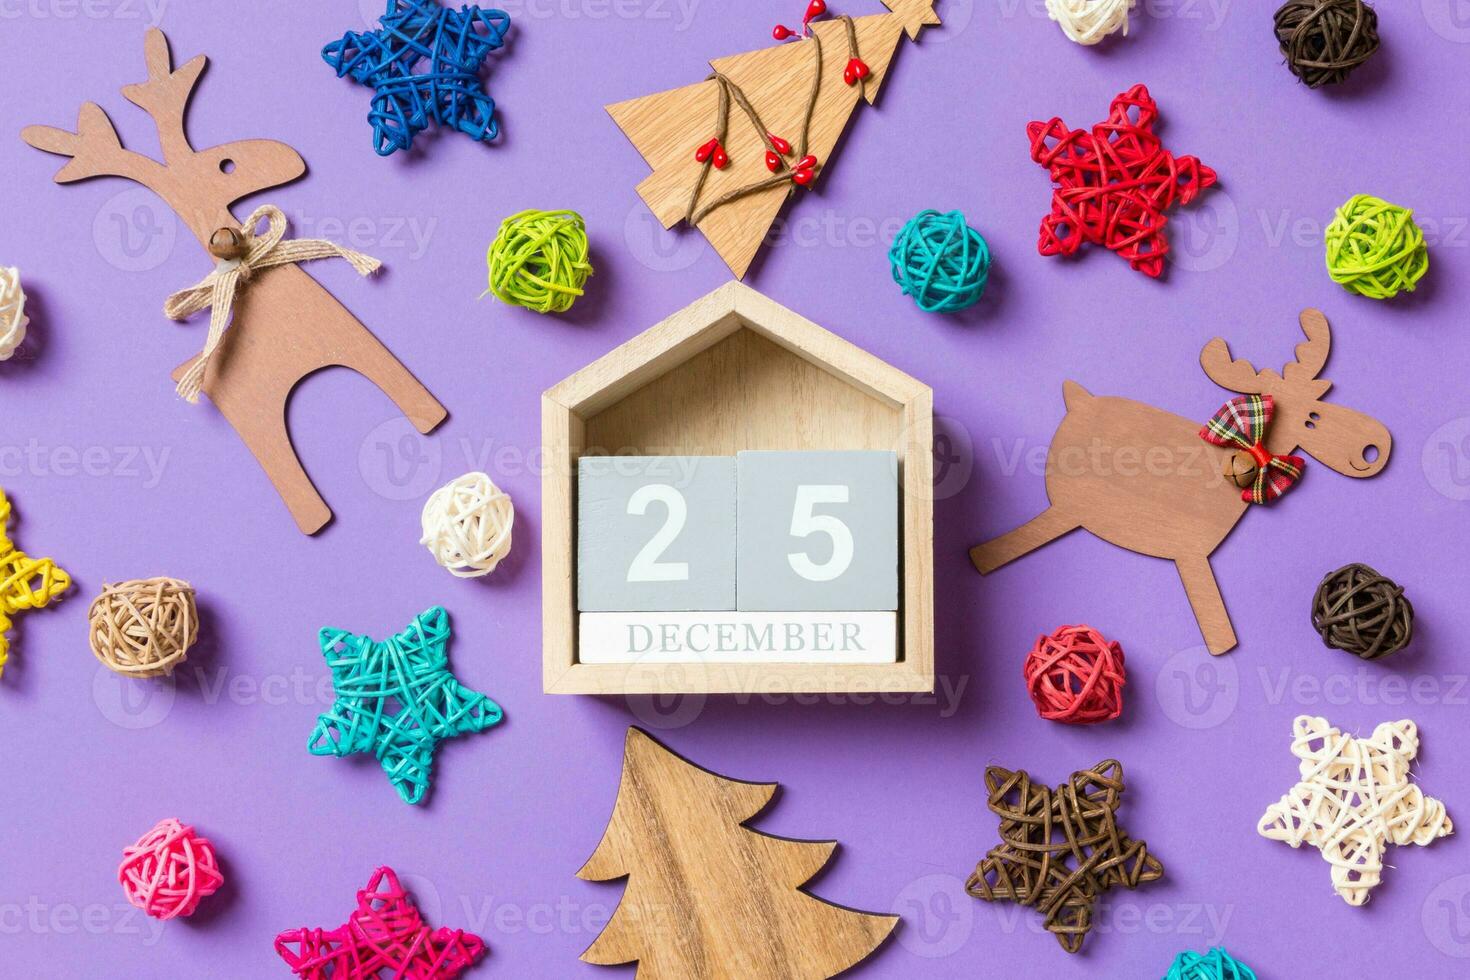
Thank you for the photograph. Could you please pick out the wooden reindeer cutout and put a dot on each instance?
(286, 326)
(1144, 479)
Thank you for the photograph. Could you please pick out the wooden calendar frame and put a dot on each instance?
(735, 370)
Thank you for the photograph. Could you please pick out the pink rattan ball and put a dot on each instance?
(169, 870)
(1076, 676)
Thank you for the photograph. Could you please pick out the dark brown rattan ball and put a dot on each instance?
(1358, 610)
(1324, 40)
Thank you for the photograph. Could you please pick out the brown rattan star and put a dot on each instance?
(1060, 849)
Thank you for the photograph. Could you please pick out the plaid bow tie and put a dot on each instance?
(1241, 424)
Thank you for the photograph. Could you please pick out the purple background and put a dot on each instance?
(91, 761)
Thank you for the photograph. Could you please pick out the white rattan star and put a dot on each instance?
(1354, 799)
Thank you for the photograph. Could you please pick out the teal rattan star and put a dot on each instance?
(398, 700)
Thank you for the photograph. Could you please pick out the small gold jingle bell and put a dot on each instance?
(1240, 469)
(227, 244)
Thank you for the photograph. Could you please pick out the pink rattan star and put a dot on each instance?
(1115, 183)
(385, 933)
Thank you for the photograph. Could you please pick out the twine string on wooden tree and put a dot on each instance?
(1324, 40)
(143, 628)
(730, 92)
(1358, 610)
(219, 290)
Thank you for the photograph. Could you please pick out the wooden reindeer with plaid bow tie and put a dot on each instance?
(1158, 484)
(286, 325)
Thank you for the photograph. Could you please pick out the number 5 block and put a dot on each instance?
(818, 531)
(655, 533)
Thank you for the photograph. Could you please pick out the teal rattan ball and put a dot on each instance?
(941, 262)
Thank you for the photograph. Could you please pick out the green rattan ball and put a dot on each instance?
(1375, 249)
(539, 260)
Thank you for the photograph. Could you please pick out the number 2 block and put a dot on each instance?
(655, 533)
(818, 531)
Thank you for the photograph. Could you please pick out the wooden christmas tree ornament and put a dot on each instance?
(289, 327)
(1154, 482)
(707, 897)
(727, 152)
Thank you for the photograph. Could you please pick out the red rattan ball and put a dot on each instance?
(1076, 676)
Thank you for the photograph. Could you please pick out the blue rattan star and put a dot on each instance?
(398, 700)
(423, 63)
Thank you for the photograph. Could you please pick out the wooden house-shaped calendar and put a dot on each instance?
(737, 500)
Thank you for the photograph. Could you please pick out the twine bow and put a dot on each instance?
(218, 290)
(1241, 424)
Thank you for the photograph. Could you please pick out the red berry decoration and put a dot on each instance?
(782, 33)
(706, 151)
(856, 71)
(782, 147)
(773, 161)
(1115, 183)
(807, 162)
(814, 10)
(1076, 676)
(721, 158)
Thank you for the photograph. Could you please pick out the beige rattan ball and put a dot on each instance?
(466, 525)
(144, 628)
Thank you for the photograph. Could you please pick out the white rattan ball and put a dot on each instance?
(467, 524)
(1089, 21)
(13, 320)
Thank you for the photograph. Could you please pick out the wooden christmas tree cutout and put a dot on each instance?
(778, 85)
(1144, 479)
(286, 326)
(707, 897)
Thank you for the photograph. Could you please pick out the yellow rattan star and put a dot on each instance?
(25, 582)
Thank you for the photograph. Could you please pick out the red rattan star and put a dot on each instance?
(385, 933)
(1115, 183)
